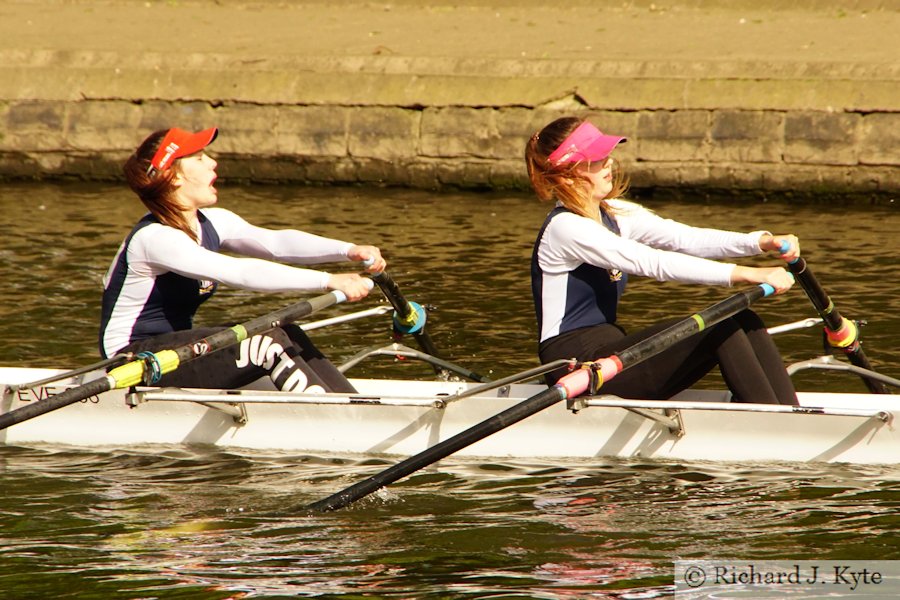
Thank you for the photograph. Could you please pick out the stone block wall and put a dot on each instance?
(435, 123)
(469, 147)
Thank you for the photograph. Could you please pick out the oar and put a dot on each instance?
(589, 378)
(166, 361)
(841, 332)
(410, 318)
(112, 361)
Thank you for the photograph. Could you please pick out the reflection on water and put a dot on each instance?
(212, 524)
(202, 523)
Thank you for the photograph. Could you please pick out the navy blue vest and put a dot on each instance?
(592, 293)
(174, 299)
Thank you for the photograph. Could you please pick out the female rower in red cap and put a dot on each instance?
(593, 239)
(171, 263)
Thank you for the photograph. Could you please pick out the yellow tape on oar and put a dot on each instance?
(700, 322)
(133, 373)
(409, 320)
(160, 363)
(844, 337)
(414, 322)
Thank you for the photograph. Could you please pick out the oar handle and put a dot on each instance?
(409, 317)
(817, 295)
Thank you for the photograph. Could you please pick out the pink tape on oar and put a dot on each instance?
(844, 337)
(579, 381)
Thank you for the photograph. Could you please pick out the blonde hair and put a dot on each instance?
(565, 182)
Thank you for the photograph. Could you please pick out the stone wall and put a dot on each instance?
(462, 122)
(469, 147)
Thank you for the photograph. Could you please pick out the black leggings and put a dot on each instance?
(742, 348)
(285, 354)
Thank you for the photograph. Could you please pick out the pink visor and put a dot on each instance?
(178, 143)
(586, 143)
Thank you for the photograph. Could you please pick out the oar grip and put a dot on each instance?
(784, 247)
(340, 296)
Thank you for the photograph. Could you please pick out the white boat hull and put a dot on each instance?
(406, 417)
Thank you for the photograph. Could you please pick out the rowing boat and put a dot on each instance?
(406, 417)
(403, 417)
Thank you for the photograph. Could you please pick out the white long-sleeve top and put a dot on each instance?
(160, 276)
(578, 262)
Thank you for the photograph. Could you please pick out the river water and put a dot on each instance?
(189, 522)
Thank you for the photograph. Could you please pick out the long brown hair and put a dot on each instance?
(565, 182)
(156, 189)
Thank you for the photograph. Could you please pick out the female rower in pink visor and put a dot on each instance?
(593, 239)
(173, 260)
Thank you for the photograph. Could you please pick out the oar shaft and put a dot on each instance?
(406, 314)
(392, 292)
(693, 324)
(443, 449)
(569, 386)
(64, 398)
(132, 373)
(816, 293)
(579, 382)
(238, 333)
(841, 333)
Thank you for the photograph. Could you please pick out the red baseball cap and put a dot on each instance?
(178, 143)
(586, 143)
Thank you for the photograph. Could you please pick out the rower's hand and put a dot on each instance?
(355, 286)
(778, 277)
(370, 254)
(777, 243)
